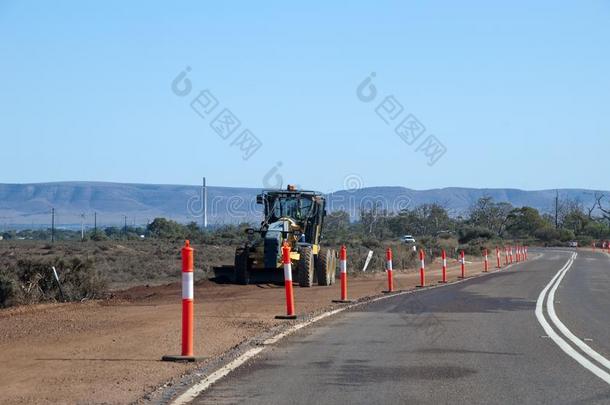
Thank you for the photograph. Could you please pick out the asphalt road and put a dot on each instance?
(478, 341)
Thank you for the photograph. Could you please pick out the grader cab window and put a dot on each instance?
(296, 207)
(284, 207)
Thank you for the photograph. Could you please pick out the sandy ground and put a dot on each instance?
(109, 351)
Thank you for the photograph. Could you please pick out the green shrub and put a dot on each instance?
(10, 293)
(32, 281)
(469, 233)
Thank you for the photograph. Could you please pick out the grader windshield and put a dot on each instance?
(296, 206)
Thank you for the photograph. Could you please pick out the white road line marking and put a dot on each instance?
(567, 333)
(201, 386)
(559, 341)
(295, 328)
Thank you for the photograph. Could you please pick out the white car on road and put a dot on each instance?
(407, 239)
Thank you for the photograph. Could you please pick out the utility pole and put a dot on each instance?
(125, 227)
(82, 226)
(205, 205)
(95, 224)
(556, 209)
(52, 225)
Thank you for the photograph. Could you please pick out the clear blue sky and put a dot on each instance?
(518, 92)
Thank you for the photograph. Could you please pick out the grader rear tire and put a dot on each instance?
(306, 267)
(324, 265)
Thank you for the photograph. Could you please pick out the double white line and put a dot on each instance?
(546, 306)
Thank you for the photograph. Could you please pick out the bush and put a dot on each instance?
(469, 233)
(32, 281)
(9, 290)
(547, 234)
(566, 235)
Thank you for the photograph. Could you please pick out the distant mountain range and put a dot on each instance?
(30, 205)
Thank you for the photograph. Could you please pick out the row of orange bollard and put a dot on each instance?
(188, 284)
(604, 246)
(512, 254)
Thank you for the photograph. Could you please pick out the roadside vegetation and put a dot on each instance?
(114, 258)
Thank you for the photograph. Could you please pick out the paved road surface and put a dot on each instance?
(474, 342)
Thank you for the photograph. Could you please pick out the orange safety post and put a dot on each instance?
(287, 284)
(522, 252)
(444, 275)
(187, 306)
(521, 255)
(389, 270)
(422, 268)
(343, 272)
(486, 262)
(463, 264)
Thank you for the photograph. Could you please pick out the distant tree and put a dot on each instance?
(524, 222)
(336, 226)
(166, 229)
(374, 220)
(433, 219)
(470, 233)
(548, 233)
(426, 219)
(488, 214)
(599, 199)
(575, 220)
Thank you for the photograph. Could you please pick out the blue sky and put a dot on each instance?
(516, 92)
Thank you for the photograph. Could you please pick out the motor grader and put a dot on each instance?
(295, 217)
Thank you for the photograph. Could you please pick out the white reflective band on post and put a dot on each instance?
(423, 264)
(287, 272)
(445, 262)
(343, 266)
(388, 265)
(187, 285)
